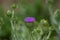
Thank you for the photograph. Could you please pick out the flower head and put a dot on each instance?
(29, 19)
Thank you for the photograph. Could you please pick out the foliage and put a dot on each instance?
(13, 26)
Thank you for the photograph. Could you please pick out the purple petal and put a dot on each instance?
(29, 19)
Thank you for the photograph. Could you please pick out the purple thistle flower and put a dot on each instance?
(29, 19)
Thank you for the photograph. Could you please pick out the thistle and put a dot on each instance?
(29, 21)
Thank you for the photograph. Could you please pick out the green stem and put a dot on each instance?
(49, 34)
(12, 26)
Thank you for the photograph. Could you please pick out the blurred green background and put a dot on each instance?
(39, 9)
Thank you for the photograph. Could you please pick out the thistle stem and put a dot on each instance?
(49, 34)
(12, 26)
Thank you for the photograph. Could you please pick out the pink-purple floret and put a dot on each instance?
(29, 19)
